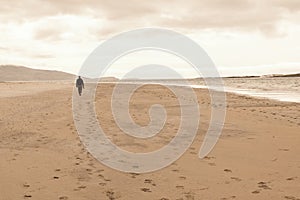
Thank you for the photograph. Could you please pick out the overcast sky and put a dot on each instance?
(242, 37)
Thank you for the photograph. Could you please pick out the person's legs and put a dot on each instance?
(79, 90)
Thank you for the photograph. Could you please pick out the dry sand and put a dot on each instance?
(41, 156)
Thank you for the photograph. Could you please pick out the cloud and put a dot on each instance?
(3, 48)
(48, 33)
(291, 5)
(43, 56)
(193, 15)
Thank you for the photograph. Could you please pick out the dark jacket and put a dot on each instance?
(79, 83)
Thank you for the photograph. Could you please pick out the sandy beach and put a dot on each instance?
(215, 112)
(257, 156)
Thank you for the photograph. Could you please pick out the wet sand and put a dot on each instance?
(257, 156)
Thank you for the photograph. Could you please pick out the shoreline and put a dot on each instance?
(270, 95)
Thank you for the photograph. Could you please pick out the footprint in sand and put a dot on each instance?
(209, 157)
(63, 198)
(110, 194)
(225, 198)
(231, 197)
(283, 149)
(148, 181)
(100, 170)
(291, 178)
(180, 187)
(146, 190)
(256, 192)
(291, 198)
(204, 188)
(227, 170)
(189, 196)
(134, 175)
(274, 159)
(236, 179)
(81, 187)
(105, 179)
(264, 185)
(102, 184)
(89, 171)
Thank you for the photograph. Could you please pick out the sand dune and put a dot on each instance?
(41, 156)
(20, 73)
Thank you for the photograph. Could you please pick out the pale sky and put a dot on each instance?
(242, 37)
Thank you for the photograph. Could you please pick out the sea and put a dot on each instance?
(286, 89)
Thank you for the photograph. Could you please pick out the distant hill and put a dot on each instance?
(286, 75)
(20, 73)
(267, 76)
(108, 79)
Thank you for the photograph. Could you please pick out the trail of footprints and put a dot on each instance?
(149, 184)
